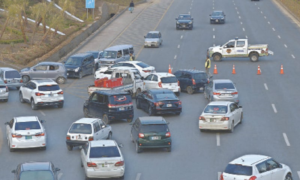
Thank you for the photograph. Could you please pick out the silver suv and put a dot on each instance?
(11, 77)
(45, 70)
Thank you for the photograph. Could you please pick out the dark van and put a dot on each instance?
(109, 105)
(191, 80)
(79, 65)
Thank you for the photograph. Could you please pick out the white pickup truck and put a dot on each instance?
(238, 48)
(131, 79)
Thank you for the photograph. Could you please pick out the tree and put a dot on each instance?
(8, 14)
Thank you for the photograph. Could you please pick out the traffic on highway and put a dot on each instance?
(187, 109)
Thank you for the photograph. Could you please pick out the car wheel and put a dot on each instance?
(150, 111)
(105, 119)
(254, 57)
(178, 113)
(189, 90)
(109, 135)
(86, 112)
(137, 148)
(241, 119)
(122, 177)
(43, 148)
(33, 105)
(70, 147)
(5, 100)
(169, 149)
(217, 57)
(80, 75)
(232, 127)
(61, 80)
(138, 104)
(25, 79)
(201, 130)
(129, 120)
(61, 105)
(288, 177)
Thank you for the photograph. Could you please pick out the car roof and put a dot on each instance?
(102, 143)
(225, 103)
(44, 82)
(112, 92)
(118, 47)
(163, 74)
(26, 118)
(153, 32)
(222, 81)
(39, 166)
(160, 90)
(185, 15)
(7, 69)
(152, 120)
(49, 63)
(86, 120)
(83, 55)
(249, 160)
(192, 70)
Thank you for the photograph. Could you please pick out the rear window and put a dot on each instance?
(12, 74)
(216, 109)
(142, 65)
(98, 152)
(2, 87)
(169, 80)
(27, 125)
(224, 86)
(199, 76)
(238, 169)
(49, 88)
(81, 128)
(148, 128)
(165, 96)
(107, 72)
(120, 99)
(36, 175)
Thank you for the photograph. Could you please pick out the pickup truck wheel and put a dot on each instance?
(254, 57)
(25, 79)
(189, 90)
(217, 57)
(105, 119)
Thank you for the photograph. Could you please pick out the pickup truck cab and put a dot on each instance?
(238, 48)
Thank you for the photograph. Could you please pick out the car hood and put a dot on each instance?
(184, 21)
(152, 39)
(71, 66)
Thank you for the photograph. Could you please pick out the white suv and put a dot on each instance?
(41, 93)
(162, 80)
(87, 129)
(102, 159)
(256, 167)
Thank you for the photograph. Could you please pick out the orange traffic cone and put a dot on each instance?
(281, 70)
(215, 69)
(258, 71)
(170, 70)
(233, 70)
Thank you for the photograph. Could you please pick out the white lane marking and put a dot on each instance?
(213, 8)
(138, 176)
(285, 45)
(293, 56)
(266, 86)
(189, 12)
(218, 139)
(175, 56)
(213, 29)
(258, 7)
(279, 37)
(274, 108)
(181, 36)
(265, 17)
(233, 3)
(241, 22)
(42, 113)
(246, 37)
(273, 29)
(269, 22)
(219, 174)
(243, 29)
(261, 12)
(190, 7)
(235, 7)
(286, 139)
(238, 12)
(214, 36)
(178, 46)
(255, 4)
(240, 17)
(298, 172)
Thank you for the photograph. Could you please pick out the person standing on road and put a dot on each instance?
(207, 66)
(131, 6)
(131, 58)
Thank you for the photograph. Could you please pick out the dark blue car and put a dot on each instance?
(79, 65)
(217, 17)
(184, 21)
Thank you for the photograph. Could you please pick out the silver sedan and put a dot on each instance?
(221, 90)
(153, 39)
(221, 115)
(4, 93)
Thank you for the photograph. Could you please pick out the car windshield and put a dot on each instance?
(109, 54)
(169, 80)
(152, 35)
(238, 169)
(165, 96)
(142, 65)
(215, 109)
(27, 125)
(36, 175)
(12, 74)
(200, 76)
(99, 152)
(81, 128)
(120, 99)
(73, 61)
(49, 88)
(184, 17)
(217, 14)
(224, 86)
(148, 128)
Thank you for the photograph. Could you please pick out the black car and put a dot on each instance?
(36, 171)
(191, 80)
(217, 17)
(159, 101)
(79, 65)
(184, 21)
(151, 132)
(109, 105)
(97, 55)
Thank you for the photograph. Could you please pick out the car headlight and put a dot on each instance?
(190, 22)
(177, 22)
(77, 69)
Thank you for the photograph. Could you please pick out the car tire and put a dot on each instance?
(21, 98)
(138, 104)
(105, 119)
(150, 111)
(61, 105)
(5, 100)
(86, 112)
(232, 127)
(61, 80)
(25, 79)
(201, 130)
(33, 105)
(44, 148)
(189, 90)
(254, 57)
(288, 177)
(241, 121)
(137, 148)
(70, 147)
(80, 75)
(178, 113)
(109, 135)
(217, 57)
(169, 149)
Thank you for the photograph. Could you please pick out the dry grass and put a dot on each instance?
(293, 5)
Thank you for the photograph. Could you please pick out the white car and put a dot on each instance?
(41, 93)
(143, 68)
(153, 39)
(221, 115)
(102, 159)
(162, 80)
(87, 129)
(25, 132)
(256, 167)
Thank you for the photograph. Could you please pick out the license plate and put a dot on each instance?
(28, 137)
(169, 105)
(121, 108)
(226, 94)
(183, 25)
(201, 89)
(212, 120)
(104, 165)
(67, 74)
(155, 138)
(217, 20)
(78, 137)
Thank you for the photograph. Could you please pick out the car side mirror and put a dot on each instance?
(120, 145)
(103, 126)
(13, 171)
(240, 107)
(57, 169)
(176, 18)
(168, 122)
(42, 121)
(280, 165)
(225, 46)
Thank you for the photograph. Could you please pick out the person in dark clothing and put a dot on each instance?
(131, 6)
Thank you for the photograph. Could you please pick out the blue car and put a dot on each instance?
(79, 65)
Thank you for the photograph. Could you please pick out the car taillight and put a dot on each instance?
(91, 164)
(194, 82)
(252, 178)
(39, 94)
(159, 84)
(147, 71)
(221, 176)
(120, 163)
(5, 81)
(68, 137)
(225, 119)
(141, 135)
(178, 102)
(159, 103)
(208, 81)
(21, 81)
(91, 138)
(168, 134)
(202, 118)
(16, 135)
(61, 92)
(214, 93)
(40, 134)
(178, 83)
(234, 93)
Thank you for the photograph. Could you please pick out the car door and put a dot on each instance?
(134, 129)
(90, 65)
(186, 80)
(84, 66)
(53, 71)
(126, 54)
(229, 49)
(120, 56)
(240, 48)
(147, 81)
(275, 168)
(39, 72)
(28, 90)
(144, 101)
(264, 173)
(234, 113)
(178, 75)
(94, 105)
(97, 132)
(103, 129)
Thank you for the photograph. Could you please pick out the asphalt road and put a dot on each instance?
(270, 100)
